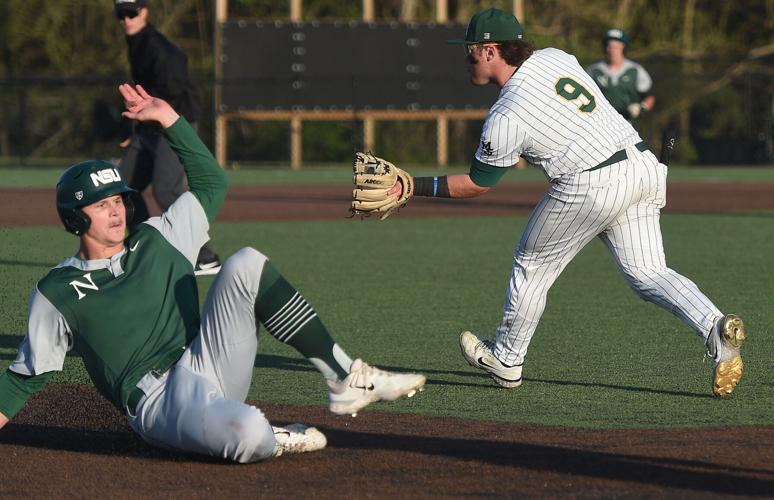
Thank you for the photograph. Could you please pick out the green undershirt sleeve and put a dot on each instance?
(485, 175)
(206, 179)
(16, 389)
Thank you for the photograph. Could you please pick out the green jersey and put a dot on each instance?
(626, 86)
(131, 313)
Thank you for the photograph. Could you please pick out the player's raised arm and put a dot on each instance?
(206, 180)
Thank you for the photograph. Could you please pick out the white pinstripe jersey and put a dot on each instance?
(554, 115)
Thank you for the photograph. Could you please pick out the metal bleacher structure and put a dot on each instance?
(356, 71)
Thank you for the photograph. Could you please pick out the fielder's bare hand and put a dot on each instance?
(397, 189)
(143, 107)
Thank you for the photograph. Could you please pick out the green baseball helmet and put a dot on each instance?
(616, 34)
(83, 184)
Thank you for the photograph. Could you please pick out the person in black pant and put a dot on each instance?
(162, 69)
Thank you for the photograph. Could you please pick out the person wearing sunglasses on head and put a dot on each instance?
(162, 69)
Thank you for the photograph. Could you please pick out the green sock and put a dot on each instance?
(289, 318)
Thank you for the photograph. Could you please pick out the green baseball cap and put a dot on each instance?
(491, 25)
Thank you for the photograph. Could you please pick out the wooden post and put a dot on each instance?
(518, 10)
(442, 131)
(368, 10)
(369, 133)
(296, 145)
(221, 10)
(441, 11)
(408, 10)
(220, 131)
(296, 7)
(221, 139)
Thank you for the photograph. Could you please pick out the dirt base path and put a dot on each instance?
(68, 442)
(35, 207)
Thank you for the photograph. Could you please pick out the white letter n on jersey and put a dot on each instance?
(79, 284)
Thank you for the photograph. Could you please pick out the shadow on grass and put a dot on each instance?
(9, 341)
(302, 365)
(283, 363)
(492, 385)
(649, 390)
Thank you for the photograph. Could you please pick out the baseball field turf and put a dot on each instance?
(399, 292)
(601, 357)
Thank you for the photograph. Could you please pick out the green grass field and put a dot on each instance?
(332, 174)
(600, 358)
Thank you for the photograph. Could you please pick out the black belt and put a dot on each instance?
(619, 156)
(136, 394)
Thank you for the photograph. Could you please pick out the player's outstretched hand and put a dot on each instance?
(143, 107)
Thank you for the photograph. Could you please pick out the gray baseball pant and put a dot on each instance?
(198, 405)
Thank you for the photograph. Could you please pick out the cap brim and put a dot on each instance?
(123, 8)
(458, 41)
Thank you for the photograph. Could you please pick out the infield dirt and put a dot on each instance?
(69, 442)
(248, 203)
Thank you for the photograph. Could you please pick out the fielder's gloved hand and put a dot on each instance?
(634, 109)
(374, 177)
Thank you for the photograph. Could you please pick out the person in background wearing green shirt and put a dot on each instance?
(128, 303)
(624, 83)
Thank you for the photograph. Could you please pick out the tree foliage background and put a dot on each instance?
(712, 63)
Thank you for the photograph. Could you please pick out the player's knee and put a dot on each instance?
(643, 282)
(245, 265)
(246, 257)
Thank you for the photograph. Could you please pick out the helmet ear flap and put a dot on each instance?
(75, 221)
(129, 206)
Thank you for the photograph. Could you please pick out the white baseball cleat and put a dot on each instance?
(298, 438)
(723, 346)
(367, 384)
(210, 268)
(479, 353)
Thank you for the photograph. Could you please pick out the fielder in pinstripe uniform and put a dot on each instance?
(603, 183)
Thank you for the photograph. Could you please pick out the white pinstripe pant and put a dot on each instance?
(621, 204)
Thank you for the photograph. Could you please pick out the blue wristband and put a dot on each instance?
(435, 186)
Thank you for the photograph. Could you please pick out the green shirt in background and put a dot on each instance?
(628, 85)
